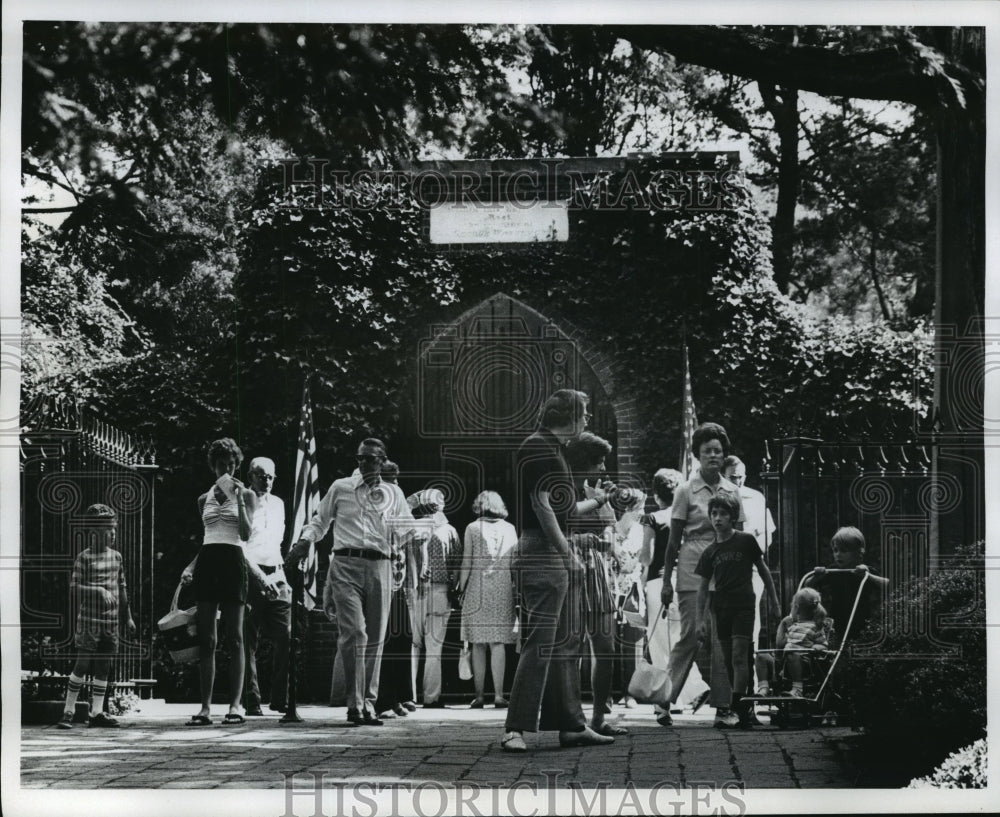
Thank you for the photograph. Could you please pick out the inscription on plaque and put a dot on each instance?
(499, 223)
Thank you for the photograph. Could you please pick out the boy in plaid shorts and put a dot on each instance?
(99, 582)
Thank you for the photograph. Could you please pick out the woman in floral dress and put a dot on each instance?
(488, 618)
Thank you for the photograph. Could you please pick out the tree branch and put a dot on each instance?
(880, 73)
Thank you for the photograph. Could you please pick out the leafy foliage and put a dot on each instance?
(349, 293)
(964, 769)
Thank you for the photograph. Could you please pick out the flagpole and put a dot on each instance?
(291, 715)
(297, 579)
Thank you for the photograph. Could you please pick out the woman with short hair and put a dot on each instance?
(219, 575)
(691, 532)
(488, 620)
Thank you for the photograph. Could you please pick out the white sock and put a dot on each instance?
(73, 692)
(797, 686)
(97, 700)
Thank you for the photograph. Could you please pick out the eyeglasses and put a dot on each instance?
(369, 458)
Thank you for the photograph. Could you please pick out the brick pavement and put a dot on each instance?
(155, 750)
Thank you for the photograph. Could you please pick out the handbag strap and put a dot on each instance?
(177, 595)
(652, 630)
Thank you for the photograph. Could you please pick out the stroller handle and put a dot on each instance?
(811, 573)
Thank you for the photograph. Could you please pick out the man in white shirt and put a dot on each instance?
(759, 521)
(366, 513)
(270, 617)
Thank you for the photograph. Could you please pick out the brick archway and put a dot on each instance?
(483, 376)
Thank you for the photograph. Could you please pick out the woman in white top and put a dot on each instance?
(488, 618)
(656, 535)
(219, 573)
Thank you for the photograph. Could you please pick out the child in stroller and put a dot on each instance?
(803, 639)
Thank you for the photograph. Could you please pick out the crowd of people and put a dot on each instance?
(574, 567)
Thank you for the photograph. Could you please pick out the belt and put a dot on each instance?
(361, 553)
(267, 570)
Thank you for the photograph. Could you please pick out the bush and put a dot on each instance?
(965, 769)
(925, 706)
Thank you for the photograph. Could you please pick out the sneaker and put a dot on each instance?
(794, 693)
(66, 721)
(102, 720)
(764, 691)
(726, 719)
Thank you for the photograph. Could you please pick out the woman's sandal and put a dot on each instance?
(199, 720)
(233, 717)
(476, 704)
(608, 730)
(513, 742)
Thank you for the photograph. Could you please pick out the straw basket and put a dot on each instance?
(180, 631)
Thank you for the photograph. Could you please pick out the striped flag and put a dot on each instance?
(306, 495)
(689, 422)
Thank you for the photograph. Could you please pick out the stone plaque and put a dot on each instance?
(499, 222)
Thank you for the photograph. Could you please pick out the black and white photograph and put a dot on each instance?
(508, 409)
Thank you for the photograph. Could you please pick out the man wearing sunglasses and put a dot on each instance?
(366, 513)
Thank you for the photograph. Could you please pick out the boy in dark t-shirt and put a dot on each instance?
(726, 569)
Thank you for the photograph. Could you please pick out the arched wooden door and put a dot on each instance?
(480, 384)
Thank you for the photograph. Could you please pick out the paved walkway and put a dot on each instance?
(155, 750)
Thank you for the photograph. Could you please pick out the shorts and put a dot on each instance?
(733, 621)
(220, 575)
(98, 638)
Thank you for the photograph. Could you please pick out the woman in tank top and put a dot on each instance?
(219, 573)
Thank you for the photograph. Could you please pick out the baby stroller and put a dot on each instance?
(820, 703)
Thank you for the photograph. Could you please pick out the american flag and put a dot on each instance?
(689, 420)
(306, 495)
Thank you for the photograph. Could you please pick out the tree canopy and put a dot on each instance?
(154, 138)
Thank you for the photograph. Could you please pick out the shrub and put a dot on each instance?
(915, 695)
(965, 769)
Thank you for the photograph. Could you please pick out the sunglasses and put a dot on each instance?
(369, 458)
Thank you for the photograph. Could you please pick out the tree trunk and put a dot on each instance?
(959, 306)
(783, 105)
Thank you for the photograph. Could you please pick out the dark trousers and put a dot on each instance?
(272, 619)
(395, 683)
(547, 680)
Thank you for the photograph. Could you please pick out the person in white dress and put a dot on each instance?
(488, 616)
